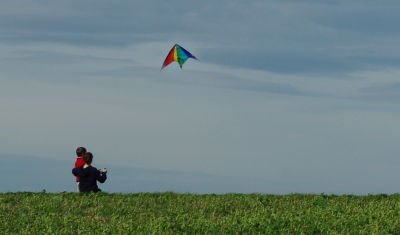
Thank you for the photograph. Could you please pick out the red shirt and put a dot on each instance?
(79, 162)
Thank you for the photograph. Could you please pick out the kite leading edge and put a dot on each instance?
(177, 54)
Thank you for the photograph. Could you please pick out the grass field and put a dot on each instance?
(172, 213)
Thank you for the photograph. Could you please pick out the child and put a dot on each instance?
(89, 175)
(80, 151)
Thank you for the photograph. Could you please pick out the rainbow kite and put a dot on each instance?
(178, 54)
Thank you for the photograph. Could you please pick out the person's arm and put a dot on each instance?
(101, 176)
(75, 172)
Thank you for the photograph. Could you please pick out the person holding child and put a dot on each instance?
(89, 175)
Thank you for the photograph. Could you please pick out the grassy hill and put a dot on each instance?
(171, 213)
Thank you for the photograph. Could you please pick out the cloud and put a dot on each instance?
(282, 37)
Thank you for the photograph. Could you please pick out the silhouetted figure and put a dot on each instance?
(89, 175)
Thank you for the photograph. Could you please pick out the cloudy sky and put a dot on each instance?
(297, 96)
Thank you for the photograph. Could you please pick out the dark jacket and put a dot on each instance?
(88, 177)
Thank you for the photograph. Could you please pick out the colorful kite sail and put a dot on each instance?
(177, 54)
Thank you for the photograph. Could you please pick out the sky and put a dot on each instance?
(286, 97)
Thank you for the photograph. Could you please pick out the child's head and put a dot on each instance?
(80, 151)
(88, 158)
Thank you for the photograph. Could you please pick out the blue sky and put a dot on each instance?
(298, 96)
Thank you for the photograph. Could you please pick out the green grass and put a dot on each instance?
(172, 213)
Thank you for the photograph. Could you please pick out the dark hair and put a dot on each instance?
(88, 158)
(80, 151)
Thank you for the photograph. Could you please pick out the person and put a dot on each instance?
(89, 175)
(80, 151)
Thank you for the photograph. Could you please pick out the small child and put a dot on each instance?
(89, 175)
(80, 151)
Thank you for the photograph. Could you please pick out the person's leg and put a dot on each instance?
(77, 187)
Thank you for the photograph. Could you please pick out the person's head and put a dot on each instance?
(88, 158)
(80, 151)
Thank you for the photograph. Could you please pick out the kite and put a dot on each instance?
(177, 54)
